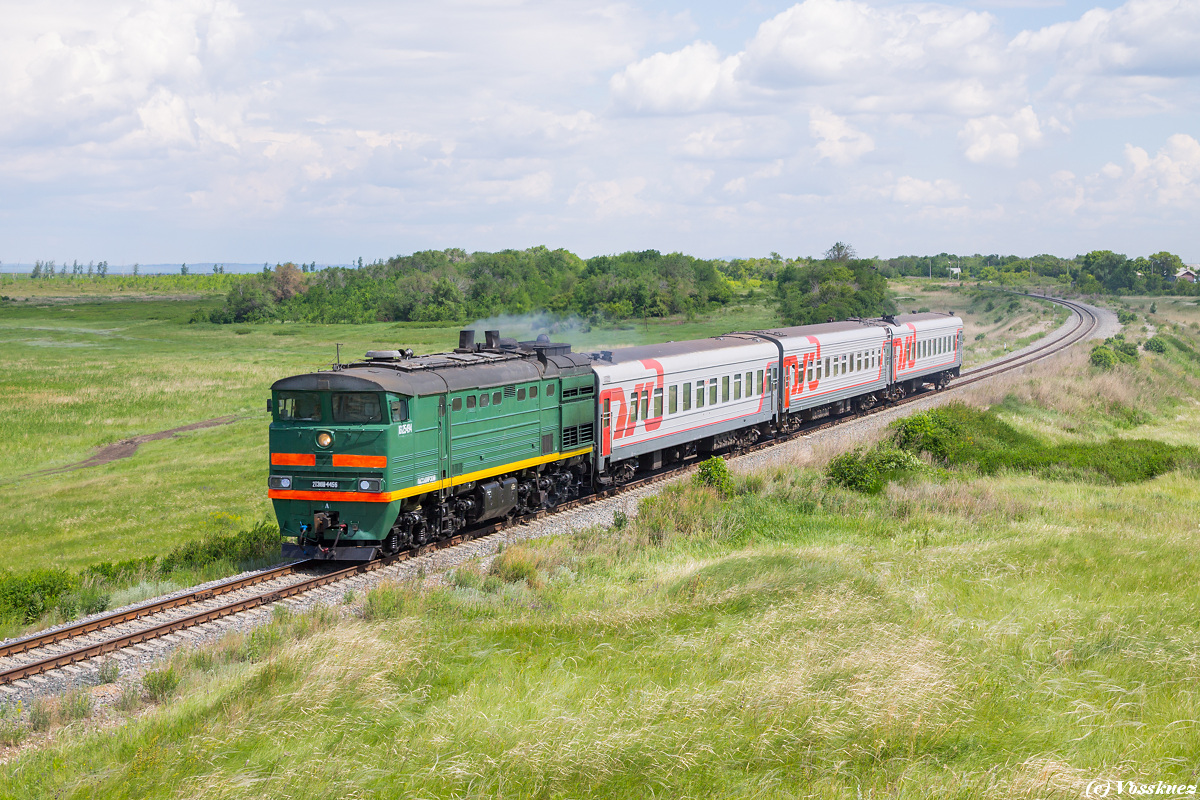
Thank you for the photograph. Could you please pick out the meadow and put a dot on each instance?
(955, 634)
(85, 369)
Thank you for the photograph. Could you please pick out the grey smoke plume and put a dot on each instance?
(528, 326)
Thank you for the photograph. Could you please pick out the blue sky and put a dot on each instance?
(218, 130)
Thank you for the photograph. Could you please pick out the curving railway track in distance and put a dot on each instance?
(31, 656)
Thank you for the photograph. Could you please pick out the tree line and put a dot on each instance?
(452, 285)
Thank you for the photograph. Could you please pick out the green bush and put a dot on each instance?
(256, 544)
(1103, 357)
(853, 471)
(1155, 345)
(960, 435)
(715, 473)
(33, 593)
(1125, 317)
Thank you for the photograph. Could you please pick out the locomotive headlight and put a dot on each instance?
(324, 439)
(279, 482)
(370, 485)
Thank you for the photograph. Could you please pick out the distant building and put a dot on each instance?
(1187, 273)
(955, 271)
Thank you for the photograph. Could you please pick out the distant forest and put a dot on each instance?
(453, 285)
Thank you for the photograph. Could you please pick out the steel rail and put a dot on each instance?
(1087, 322)
(146, 609)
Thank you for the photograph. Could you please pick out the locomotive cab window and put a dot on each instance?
(299, 406)
(399, 408)
(356, 407)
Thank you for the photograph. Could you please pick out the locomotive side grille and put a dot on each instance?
(577, 435)
(569, 393)
(510, 391)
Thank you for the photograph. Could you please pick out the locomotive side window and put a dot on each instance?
(532, 392)
(485, 399)
(300, 406)
(497, 397)
(549, 389)
(672, 399)
(470, 402)
(455, 405)
(521, 393)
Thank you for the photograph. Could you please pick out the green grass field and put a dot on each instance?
(955, 635)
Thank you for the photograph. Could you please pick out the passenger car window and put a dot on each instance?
(687, 396)
(356, 407)
(712, 391)
(672, 399)
(300, 406)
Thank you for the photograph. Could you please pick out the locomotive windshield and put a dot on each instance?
(356, 407)
(300, 406)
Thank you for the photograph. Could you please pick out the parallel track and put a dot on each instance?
(1086, 322)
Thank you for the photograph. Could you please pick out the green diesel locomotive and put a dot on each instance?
(379, 455)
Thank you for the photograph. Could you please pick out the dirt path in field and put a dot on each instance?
(127, 447)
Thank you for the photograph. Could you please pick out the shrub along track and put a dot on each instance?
(46, 651)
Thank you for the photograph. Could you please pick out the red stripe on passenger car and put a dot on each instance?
(293, 459)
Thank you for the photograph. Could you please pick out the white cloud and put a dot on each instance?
(686, 80)
(615, 198)
(1171, 176)
(995, 139)
(839, 142)
(914, 191)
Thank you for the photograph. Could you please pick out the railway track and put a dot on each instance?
(55, 649)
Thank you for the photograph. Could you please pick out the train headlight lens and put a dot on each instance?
(324, 439)
(370, 485)
(280, 482)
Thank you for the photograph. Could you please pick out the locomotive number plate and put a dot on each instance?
(324, 484)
